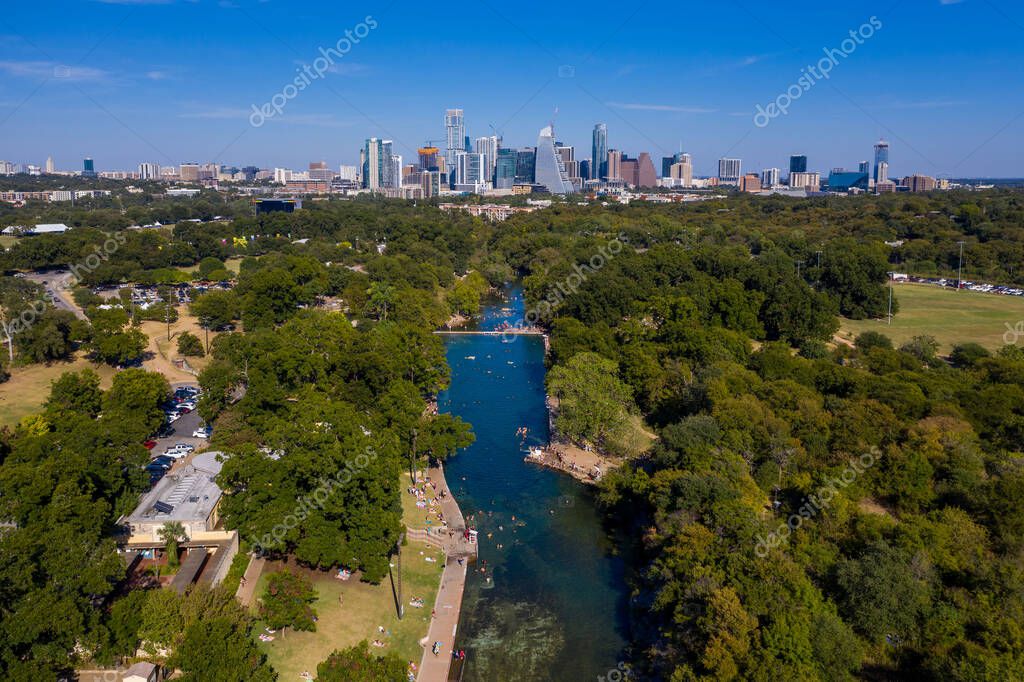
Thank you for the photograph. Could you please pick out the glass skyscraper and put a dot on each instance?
(525, 161)
(881, 156)
(505, 169)
(549, 170)
(455, 126)
(599, 153)
(798, 164)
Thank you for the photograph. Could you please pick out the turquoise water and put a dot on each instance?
(555, 608)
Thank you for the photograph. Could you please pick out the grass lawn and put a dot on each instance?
(363, 608)
(950, 316)
(24, 393)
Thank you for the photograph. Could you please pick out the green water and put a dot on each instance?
(556, 606)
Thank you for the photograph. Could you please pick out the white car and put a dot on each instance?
(200, 433)
(173, 417)
(175, 453)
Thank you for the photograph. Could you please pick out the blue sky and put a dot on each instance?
(168, 81)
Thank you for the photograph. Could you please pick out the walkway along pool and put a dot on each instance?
(552, 604)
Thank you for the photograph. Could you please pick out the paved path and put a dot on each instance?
(448, 605)
(247, 587)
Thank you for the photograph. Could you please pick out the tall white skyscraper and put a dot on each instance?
(770, 177)
(455, 126)
(50, 167)
(549, 168)
(488, 146)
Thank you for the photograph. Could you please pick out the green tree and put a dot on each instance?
(216, 309)
(171, 534)
(189, 345)
(286, 601)
(593, 403)
(358, 664)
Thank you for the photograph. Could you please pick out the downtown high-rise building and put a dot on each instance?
(455, 129)
(488, 146)
(682, 171)
(88, 169)
(505, 168)
(470, 168)
(797, 164)
(730, 171)
(614, 165)
(599, 153)
(379, 164)
(526, 164)
(881, 156)
(770, 177)
(549, 169)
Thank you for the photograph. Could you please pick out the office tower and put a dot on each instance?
(526, 164)
(629, 171)
(668, 161)
(8, 168)
(645, 174)
(455, 127)
(770, 177)
(572, 167)
(882, 172)
(682, 171)
(585, 170)
(808, 181)
(149, 171)
(348, 173)
(505, 169)
(881, 156)
(730, 171)
(614, 169)
(797, 164)
(599, 153)
(428, 157)
(88, 169)
(488, 146)
(50, 167)
(470, 168)
(549, 169)
(864, 167)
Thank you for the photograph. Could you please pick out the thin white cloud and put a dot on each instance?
(157, 75)
(682, 109)
(237, 114)
(43, 69)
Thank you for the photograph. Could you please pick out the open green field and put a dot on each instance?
(24, 393)
(950, 316)
(361, 609)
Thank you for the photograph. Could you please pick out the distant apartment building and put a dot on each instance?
(770, 177)
(730, 171)
(919, 183)
(682, 171)
(808, 181)
(428, 157)
(149, 171)
(318, 170)
(455, 127)
(189, 172)
(750, 183)
(8, 168)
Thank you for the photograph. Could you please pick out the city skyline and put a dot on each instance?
(128, 75)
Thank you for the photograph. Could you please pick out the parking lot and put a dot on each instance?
(181, 432)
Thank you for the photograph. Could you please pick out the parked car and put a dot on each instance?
(175, 453)
(149, 444)
(202, 432)
(162, 459)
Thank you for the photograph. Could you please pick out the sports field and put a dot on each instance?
(950, 316)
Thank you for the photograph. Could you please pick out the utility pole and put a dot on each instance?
(799, 263)
(960, 268)
(401, 601)
(819, 258)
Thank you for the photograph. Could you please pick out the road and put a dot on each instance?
(57, 294)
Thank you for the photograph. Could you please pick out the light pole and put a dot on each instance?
(960, 268)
